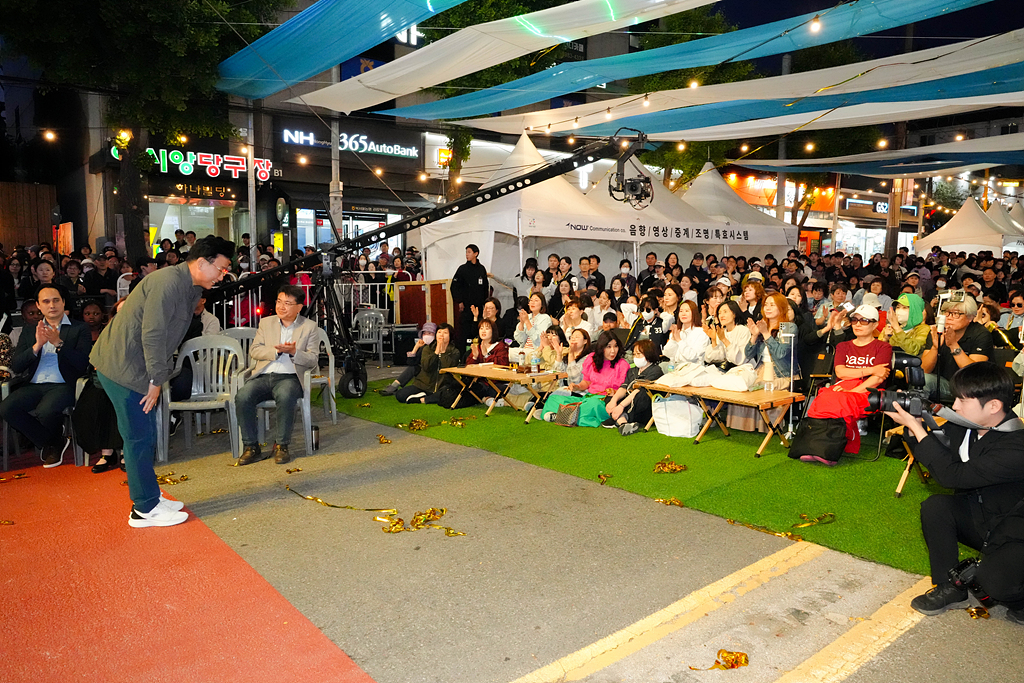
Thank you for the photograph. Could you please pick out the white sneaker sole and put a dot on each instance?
(175, 505)
(163, 520)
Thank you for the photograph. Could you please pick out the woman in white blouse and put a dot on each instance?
(689, 293)
(687, 341)
(728, 340)
(533, 324)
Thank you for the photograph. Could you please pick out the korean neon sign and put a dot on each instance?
(214, 164)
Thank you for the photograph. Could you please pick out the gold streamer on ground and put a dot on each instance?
(978, 612)
(418, 425)
(364, 405)
(383, 439)
(293, 470)
(825, 518)
(603, 478)
(667, 466)
(19, 475)
(395, 524)
(727, 660)
(6, 522)
(670, 501)
(763, 529)
(169, 479)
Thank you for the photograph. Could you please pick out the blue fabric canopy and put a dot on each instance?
(317, 39)
(919, 164)
(1004, 79)
(845, 21)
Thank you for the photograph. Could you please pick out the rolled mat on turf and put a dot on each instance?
(87, 598)
(722, 478)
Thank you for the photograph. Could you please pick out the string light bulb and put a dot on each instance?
(303, 160)
(883, 143)
(572, 140)
(458, 181)
(549, 128)
(608, 113)
(694, 84)
(576, 122)
(744, 147)
(959, 137)
(647, 101)
(50, 135)
(423, 176)
(681, 147)
(809, 147)
(379, 171)
(815, 24)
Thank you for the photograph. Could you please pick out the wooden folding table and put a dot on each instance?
(492, 374)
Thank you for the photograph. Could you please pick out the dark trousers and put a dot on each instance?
(37, 411)
(406, 393)
(640, 410)
(408, 374)
(947, 520)
(138, 430)
(285, 390)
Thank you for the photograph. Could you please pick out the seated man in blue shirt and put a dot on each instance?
(286, 345)
(49, 359)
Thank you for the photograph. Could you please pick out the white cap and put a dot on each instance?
(866, 311)
(871, 299)
(724, 281)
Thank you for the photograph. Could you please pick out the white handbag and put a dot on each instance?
(676, 416)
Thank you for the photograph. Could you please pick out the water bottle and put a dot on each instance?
(535, 364)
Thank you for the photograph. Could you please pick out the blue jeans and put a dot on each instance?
(285, 390)
(138, 430)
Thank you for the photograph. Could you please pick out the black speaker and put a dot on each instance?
(404, 339)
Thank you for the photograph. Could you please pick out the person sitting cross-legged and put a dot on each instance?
(50, 357)
(286, 345)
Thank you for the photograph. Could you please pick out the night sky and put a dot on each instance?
(988, 19)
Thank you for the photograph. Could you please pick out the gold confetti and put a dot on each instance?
(364, 405)
(826, 518)
(19, 475)
(395, 524)
(170, 480)
(383, 439)
(763, 529)
(6, 522)
(293, 470)
(670, 501)
(978, 612)
(604, 478)
(667, 466)
(221, 430)
(727, 660)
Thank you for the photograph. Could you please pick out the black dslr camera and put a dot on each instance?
(965, 575)
(914, 400)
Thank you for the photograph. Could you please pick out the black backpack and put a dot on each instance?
(824, 437)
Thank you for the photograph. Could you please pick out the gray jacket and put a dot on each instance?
(138, 345)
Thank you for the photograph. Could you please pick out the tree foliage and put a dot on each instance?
(155, 61)
(947, 195)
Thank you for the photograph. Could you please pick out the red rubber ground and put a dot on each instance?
(84, 597)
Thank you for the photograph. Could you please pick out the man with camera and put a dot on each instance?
(960, 341)
(982, 460)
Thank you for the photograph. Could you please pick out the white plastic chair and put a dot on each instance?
(244, 336)
(217, 362)
(81, 458)
(369, 328)
(124, 284)
(327, 381)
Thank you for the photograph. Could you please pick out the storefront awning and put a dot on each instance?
(356, 199)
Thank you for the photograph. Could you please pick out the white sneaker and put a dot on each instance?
(488, 401)
(161, 515)
(172, 504)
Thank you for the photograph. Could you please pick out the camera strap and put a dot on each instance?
(950, 415)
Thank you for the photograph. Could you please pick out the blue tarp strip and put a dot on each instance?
(925, 164)
(317, 39)
(846, 21)
(1004, 79)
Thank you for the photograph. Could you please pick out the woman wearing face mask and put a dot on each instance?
(630, 408)
(625, 272)
(439, 354)
(412, 363)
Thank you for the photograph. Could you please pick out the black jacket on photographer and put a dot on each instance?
(992, 479)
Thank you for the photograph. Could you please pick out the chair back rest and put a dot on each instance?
(215, 359)
(325, 341)
(123, 285)
(244, 336)
(1004, 357)
(369, 325)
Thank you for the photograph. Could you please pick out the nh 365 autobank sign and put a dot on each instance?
(351, 142)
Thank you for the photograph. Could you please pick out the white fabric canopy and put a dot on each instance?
(969, 230)
(713, 197)
(1017, 213)
(485, 45)
(915, 67)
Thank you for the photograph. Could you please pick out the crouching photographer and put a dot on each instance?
(979, 454)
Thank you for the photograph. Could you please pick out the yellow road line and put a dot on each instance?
(863, 642)
(700, 603)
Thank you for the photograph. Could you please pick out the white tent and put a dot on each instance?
(969, 230)
(1017, 213)
(998, 214)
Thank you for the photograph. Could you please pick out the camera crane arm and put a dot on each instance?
(598, 149)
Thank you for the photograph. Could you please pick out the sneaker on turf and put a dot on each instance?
(161, 515)
(939, 599)
(1016, 616)
(628, 428)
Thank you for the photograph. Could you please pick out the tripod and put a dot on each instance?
(330, 315)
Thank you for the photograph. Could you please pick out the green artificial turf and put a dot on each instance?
(722, 478)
